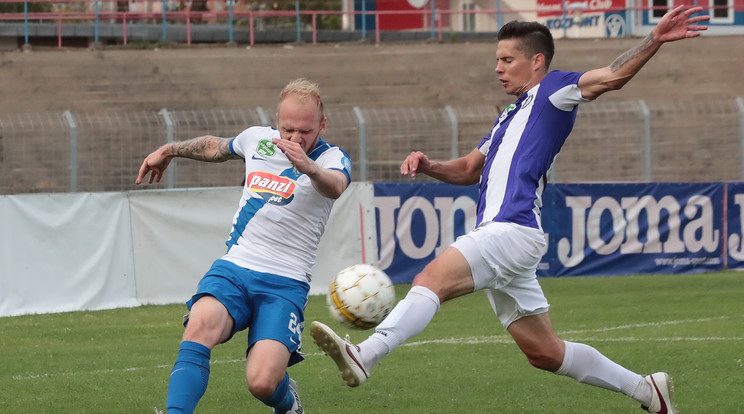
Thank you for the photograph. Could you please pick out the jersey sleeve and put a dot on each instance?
(485, 142)
(566, 94)
(336, 159)
(240, 143)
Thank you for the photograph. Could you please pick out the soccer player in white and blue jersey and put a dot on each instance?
(261, 284)
(501, 255)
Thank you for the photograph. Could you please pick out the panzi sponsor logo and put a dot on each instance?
(273, 187)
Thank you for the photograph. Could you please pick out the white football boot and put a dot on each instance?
(344, 354)
(661, 400)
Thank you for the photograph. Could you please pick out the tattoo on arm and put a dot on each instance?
(207, 148)
(223, 150)
(632, 54)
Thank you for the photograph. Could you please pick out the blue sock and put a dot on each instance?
(282, 400)
(189, 377)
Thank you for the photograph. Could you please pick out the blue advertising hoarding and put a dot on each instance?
(735, 225)
(610, 229)
(592, 229)
(416, 221)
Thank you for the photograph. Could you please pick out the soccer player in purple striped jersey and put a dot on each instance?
(292, 178)
(501, 255)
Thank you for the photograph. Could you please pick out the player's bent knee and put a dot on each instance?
(262, 389)
(262, 383)
(548, 361)
(444, 288)
(203, 333)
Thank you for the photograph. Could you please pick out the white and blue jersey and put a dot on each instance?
(521, 149)
(281, 216)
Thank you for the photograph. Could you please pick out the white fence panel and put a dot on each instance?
(65, 252)
(91, 251)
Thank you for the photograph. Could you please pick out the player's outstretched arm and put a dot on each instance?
(207, 148)
(463, 171)
(677, 24)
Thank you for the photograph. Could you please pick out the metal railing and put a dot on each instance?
(243, 25)
(669, 141)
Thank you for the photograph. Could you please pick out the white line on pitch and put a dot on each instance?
(654, 324)
(500, 339)
(508, 339)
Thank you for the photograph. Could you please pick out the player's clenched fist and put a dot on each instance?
(296, 155)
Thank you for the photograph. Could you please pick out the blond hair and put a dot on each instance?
(303, 90)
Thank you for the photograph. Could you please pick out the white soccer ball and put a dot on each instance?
(361, 296)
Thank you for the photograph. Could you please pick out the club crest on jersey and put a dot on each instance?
(266, 148)
(528, 101)
(273, 188)
(506, 111)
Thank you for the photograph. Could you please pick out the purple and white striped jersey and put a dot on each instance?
(281, 215)
(521, 149)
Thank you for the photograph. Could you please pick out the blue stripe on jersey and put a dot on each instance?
(250, 208)
(254, 204)
(320, 147)
(291, 173)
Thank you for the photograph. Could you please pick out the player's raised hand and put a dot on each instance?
(296, 155)
(154, 164)
(678, 24)
(415, 161)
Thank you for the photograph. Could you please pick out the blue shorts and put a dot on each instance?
(268, 305)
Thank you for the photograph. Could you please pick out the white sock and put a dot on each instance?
(588, 366)
(409, 317)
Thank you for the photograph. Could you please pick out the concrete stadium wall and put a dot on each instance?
(391, 75)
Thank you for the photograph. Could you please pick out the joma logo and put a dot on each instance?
(697, 232)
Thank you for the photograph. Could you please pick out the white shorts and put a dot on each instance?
(503, 258)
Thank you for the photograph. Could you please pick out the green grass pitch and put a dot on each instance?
(118, 361)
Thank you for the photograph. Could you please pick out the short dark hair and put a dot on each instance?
(534, 38)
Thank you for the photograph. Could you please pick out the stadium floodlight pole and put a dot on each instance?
(170, 138)
(25, 20)
(163, 7)
(433, 17)
(628, 18)
(499, 17)
(455, 133)
(362, 143)
(364, 19)
(297, 18)
(95, 36)
(230, 20)
(262, 117)
(647, 139)
(740, 104)
(563, 21)
(73, 150)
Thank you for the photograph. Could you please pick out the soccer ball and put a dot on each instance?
(361, 296)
